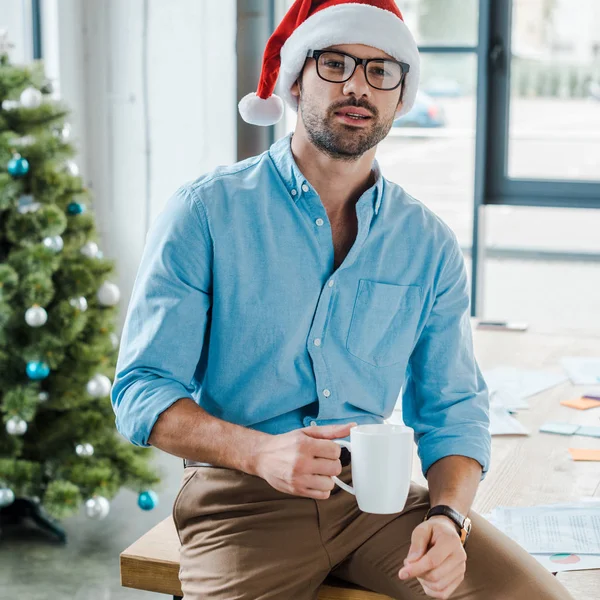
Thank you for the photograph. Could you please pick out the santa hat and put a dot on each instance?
(318, 24)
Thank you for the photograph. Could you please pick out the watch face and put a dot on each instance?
(467, 524)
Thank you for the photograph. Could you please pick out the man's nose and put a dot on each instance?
(357, 84)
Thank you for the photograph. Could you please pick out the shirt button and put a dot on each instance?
(319, 222)
(326, 393)
(313, 423)
(304, 187)
(330, 284)
(317, 341)
(294, 192)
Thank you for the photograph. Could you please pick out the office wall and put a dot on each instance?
(153, 89)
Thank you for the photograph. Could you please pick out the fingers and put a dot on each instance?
(431, 560)
(444, 592)
(326, 466)
(445, 575)
(318, 486)
(328, 432)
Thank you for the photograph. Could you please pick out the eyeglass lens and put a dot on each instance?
(383, 74)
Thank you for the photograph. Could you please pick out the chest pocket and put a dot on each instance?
(384, 322)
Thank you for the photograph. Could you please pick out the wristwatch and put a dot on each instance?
(462, 523)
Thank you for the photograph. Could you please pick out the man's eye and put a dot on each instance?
(334, 64)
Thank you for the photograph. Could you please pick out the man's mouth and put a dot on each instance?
(350, 115)
(358, 115)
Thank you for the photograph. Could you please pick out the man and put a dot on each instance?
(283, 299)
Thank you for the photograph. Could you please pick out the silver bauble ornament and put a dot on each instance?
(43, 396)
(80, 303)
(7, 497)
(72, 168)
(97, 507)
(108, 294)
(30, 97)
(99, 386)
(84, 450)
(90, 249)
(65, 132)
(36, 316)
(54, 243)
(16, 426)
(114, 340)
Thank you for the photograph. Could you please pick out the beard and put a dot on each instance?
(338, 140)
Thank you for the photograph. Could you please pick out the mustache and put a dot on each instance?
(356, 104)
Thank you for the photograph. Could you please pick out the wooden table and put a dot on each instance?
(525, 470)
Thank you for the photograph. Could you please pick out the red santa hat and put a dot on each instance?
(318, 24)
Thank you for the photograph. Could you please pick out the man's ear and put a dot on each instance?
(295, 89)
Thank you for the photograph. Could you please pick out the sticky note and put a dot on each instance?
(584, 454)
(589, 430)
(581, 403)
(562, 428)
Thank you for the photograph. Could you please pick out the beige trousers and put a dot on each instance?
(243, 540)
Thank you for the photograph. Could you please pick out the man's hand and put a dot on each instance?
(302, 462)
(441, 567)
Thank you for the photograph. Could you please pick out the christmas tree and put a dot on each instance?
(59, 448)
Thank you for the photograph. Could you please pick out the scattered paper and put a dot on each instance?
(565, 561)
(585, 454)
(581, 403)
(544, 530)
(557, 562)
(502, 422)
(513, 385)
(582, 370)
(561, 428)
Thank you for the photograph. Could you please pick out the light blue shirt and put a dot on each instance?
(237, 305)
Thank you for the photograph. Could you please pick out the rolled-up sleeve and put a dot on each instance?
(166, 318)
(445, 398)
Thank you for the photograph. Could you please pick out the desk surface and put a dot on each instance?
(525, 470)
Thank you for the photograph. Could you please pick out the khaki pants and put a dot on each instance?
(243, 540)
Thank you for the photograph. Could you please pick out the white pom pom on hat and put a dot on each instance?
(318, 24)
(261, 111)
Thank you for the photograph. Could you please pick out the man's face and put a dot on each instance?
(321, 101)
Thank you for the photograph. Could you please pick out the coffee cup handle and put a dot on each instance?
(343, 485)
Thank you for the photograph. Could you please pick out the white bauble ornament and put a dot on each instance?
(90, 249)
(36, 316)
(84, 450)
(43, 396)
(108, 294)
(80, 303)
(72, 168)
(114, 340)
(54, 243)
(30, 97)
(16, 426)
(7, 497)
(8, 104)
(65, 132)
(97, 507)
(99, 386)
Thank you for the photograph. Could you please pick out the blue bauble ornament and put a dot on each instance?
(147, 500)
(75, 208)
(18, 166)
(37, 370)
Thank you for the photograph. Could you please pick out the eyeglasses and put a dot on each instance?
(380, 73)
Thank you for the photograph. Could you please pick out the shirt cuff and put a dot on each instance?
(141, 405)
(472, 441)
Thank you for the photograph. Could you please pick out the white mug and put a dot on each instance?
(381, 466)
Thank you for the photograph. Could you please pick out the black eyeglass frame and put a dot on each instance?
(359, 61)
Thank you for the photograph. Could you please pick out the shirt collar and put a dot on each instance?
(281, 154)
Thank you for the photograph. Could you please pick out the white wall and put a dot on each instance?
(153, 89)
(15, 16)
